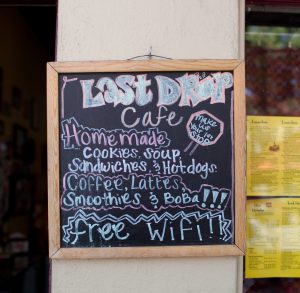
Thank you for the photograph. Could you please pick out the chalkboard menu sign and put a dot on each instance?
(146, 158)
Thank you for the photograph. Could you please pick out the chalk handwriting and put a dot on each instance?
(75, 136)
(148, 192)
(147, 119)
(204, 128)
(131, 178)
(189, 90)
(175, 227)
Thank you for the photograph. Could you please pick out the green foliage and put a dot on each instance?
(273, 37)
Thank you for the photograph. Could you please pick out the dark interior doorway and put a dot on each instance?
(27, 42)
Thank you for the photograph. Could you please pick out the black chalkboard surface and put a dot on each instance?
(146, 157)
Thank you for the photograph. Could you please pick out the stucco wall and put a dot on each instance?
(120, 29)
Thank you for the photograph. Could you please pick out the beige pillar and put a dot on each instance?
(121, 29)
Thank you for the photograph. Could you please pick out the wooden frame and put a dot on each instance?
(53, 70)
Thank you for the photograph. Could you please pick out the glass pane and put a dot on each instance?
(273, 70)
(272, 88)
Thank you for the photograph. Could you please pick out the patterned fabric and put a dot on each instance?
(272, 81)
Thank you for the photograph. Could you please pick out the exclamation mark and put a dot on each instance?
(223, 197)
(199, 233)
(206, 193)
(215, 195)
(210, 227)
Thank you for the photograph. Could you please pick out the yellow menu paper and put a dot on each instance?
(273, 156)
(273, 238)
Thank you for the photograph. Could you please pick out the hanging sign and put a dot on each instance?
(142, 158)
